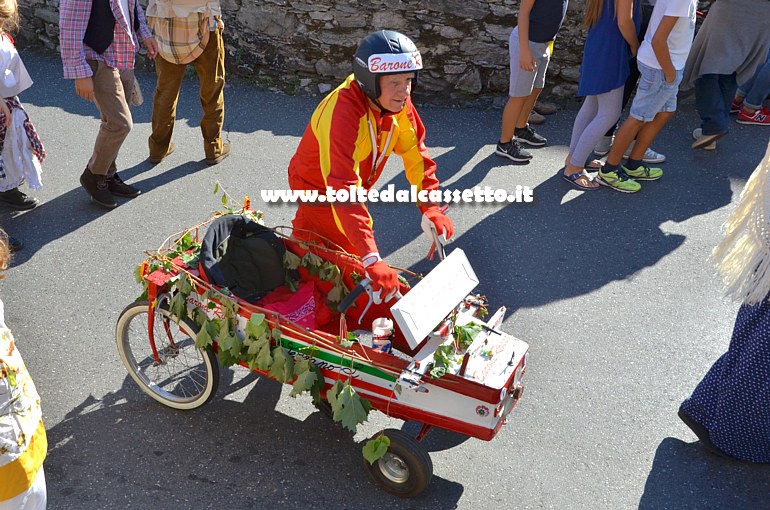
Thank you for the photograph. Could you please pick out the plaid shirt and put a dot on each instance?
(73, 20)
(182, 40)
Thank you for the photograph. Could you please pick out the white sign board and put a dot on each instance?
(428, 302)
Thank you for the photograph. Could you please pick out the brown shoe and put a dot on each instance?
(536, 118)
(155, 160)
(545, 108)
(223, 155)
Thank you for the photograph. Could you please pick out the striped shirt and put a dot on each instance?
(73, 20)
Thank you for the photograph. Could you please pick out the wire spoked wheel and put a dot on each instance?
(182, 376)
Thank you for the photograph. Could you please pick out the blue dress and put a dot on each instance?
(733, 400)
(606, 56)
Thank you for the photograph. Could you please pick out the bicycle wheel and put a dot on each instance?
(185, 377)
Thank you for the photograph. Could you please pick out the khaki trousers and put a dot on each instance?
(112, 90)
(210, 67)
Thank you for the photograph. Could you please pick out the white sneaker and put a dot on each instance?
(603, 147)
(650, 156)
(697, 134)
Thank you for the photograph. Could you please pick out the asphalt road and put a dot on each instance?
(614, 293)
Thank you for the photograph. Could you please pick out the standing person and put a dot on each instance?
(99, 40)
(751, 96)
(661, 60)
(731, 44)
(23, 441)
(611, 42)
(21, 152)
(188, 31)
(346, 145)
(530, 47)
(729, 410)
(605, 143)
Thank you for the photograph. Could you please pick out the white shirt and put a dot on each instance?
(14, 77)
(680, 38)
(129, 19)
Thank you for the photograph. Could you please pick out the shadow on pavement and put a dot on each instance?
(686, 476)
(245, 454)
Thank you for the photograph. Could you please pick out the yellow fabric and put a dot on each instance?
(19, 475)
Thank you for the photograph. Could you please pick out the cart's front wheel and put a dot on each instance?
(406, 468)
(181, 376)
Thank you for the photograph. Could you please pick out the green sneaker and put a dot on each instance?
(619, 181)
(644, 173)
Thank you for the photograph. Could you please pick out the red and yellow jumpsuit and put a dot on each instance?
(347, 143)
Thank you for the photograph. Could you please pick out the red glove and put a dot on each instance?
(384, 281)
(443, 225)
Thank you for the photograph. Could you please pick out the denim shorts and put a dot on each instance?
(654, 95)
(522, 82)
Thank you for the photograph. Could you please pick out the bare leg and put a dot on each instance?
(511, 113)
(648, 133)
(526, 109)
(623, 138)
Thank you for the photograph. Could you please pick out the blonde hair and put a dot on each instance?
(9, 15)
(594, 12)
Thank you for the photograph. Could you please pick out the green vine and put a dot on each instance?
(260, 345)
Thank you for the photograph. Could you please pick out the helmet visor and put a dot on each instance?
(381, 63)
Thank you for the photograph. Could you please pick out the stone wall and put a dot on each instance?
(306, 46)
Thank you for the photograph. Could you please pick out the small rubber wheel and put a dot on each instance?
(406, 468)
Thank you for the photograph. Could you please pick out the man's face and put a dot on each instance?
(394, 90)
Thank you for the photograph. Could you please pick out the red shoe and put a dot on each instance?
(736, 106)
(758, 118)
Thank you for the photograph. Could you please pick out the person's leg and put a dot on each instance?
(210, 66)
(524, 133)
(116, 121)
(709, 103)
(164, 101)
(759, 90)
(115, 125)
(606, 110)
(511, 114)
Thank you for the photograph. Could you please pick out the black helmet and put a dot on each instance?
(384, 52)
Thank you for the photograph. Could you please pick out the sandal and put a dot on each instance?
(573, 179)
(594, 165)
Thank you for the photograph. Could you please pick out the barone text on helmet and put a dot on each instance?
(394, 63)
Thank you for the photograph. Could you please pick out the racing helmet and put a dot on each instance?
(384, 52)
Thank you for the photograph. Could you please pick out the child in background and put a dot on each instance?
(661, 59)
(611, 42)
(530, 47)
(21, 151)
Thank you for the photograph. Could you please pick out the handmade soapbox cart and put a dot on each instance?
(449, 368)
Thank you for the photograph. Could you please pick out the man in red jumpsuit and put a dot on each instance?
(349, 138)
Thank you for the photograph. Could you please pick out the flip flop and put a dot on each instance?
(573, 179)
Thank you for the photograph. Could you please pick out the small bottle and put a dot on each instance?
(382, 334)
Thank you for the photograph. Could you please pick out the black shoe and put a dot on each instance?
(96, 186)
(701, 432)
(17, 200)
(527, 135)
(513, 151)
(117, 187)
(218, 159)
(14, 244)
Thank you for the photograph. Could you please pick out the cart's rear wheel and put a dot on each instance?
(406, 468)
(184, 377)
